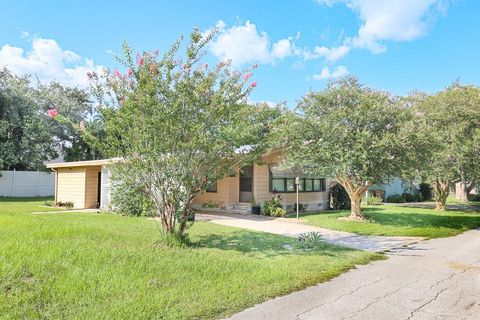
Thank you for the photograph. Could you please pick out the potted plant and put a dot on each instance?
(255, 207)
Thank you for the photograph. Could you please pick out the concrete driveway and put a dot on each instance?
(435, 279)
(288, 227)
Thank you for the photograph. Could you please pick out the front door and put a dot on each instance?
(99, 189)
(246, 184)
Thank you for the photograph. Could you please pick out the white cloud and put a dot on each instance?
(394, 20)
(48, 61)
(282, 48)
(325, 74)
(245, 44)
(330, 54)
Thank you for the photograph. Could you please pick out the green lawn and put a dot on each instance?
(70, 265)
(394, 220)
(451, 200)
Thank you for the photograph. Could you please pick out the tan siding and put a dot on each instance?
(221, 197)
(71, 186)
(262, 185)
(234, 189)
(91, 187)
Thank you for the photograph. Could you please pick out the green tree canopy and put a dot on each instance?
(355, 134)
(26, 139)
(452, 121)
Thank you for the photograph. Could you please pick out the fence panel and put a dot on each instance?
(27, 184)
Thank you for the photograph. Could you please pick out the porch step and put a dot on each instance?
(246, 207)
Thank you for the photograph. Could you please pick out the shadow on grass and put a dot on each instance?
(422, 220)
(263, 244)
(412, 218)
(471, 207)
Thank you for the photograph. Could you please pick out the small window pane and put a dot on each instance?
(316, 185)
(290, 185)
(301, 184)
(212, 187)
(278, 185)
(308, 185)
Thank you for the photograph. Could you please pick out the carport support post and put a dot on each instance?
(297, 183)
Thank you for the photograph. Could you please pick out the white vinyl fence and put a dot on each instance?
(27, 184)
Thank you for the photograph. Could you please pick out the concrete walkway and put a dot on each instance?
(435, 279)
(291, 229)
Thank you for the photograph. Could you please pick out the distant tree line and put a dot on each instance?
(28, 136)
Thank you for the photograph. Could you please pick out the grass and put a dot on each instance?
(69, 265)
(452, 200)
(394, 220)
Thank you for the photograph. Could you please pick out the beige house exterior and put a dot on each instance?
(256, 183)
(79, 182)
(86, 185)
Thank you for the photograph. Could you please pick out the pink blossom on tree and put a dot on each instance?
(52, 113)
(117, 73)
(140, 61)
(246, 76)
(81, 125)
(253, 84)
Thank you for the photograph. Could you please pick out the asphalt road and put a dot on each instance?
(434, 279)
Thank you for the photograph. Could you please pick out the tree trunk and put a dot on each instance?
(356, 211)
(441, 191)
(355, 193)
(461, 191)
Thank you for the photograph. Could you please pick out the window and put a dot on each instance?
(278, 185)
(308, 185)
(283, 180)
(212, 187)
(290, 185)
(319, 185)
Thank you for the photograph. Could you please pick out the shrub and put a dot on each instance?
(301, 207)
(425, 191)
(374, 201)
(396, 198)
(130, 198)
(418, 197)
(211, 204)
(408, 197)
(270, 206)
(339, 198)
(473, 197)
(66, 204)
(310, 240)
(278, 212)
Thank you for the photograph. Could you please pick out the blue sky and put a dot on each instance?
(396, 45)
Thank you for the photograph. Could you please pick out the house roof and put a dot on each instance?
(88, 163)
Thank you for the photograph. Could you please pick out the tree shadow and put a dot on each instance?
(458, 220)
(264, 245)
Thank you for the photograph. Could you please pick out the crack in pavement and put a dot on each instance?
(443, 290)
(383, 297)
(338, 298)
(426, 303)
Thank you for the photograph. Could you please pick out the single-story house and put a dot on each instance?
(261, 181)
(85, 183)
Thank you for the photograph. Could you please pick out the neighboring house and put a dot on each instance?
(396, 187)
(85, 183)
(458, 188)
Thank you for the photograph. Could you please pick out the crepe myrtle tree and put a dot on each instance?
(452, 121)
(178, 125)
(351, 132)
